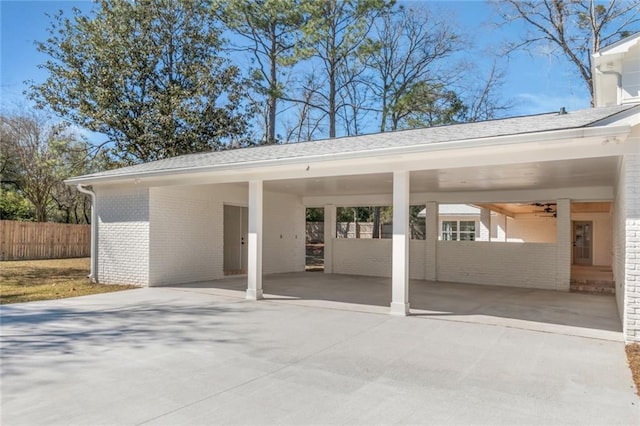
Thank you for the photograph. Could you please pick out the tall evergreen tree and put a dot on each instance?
(269, 30)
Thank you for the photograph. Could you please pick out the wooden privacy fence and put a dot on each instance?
(35, 240)
(363, 230)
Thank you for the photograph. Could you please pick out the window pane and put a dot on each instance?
(450, 236)
(468, 225)
(449, 225)
(467, 236)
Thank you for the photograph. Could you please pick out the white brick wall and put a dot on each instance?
(495, 263)
(362, 257)
(626, 246)
(476, 262)
(373, 257)
(171, 235)
(123, 235)
(187, 232)
(184, 226)
(619, 242)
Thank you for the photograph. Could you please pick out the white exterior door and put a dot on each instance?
(582, 243)
(235, 240)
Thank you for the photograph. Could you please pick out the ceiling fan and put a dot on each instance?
(548, 208)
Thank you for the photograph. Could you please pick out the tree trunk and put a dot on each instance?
(273, 96)
(376, 222)
(332, 102)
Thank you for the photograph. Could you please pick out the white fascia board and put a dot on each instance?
(380, 160)
(621, 46)
(630, 117)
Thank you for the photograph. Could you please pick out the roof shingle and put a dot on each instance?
(364, 143)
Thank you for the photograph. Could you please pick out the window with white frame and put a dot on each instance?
(458, 230)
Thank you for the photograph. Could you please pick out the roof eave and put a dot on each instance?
(523, 138)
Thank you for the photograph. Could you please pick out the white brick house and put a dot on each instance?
(193, 217)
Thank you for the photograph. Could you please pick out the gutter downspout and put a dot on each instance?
(92, 275)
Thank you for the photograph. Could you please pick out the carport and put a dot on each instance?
(164, 223)
(486, 261)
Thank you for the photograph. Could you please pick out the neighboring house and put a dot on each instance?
(193, 217)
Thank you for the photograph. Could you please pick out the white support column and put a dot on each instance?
(431, 241)
(564, 244)
(501, 229)
(484, 233)
(329, 236)
(254, 267)
(400, 250)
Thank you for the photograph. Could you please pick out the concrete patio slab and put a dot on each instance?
(541, 310)
(186, 355)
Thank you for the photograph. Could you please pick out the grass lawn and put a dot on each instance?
(30, 280)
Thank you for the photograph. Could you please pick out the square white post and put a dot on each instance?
(431, 241)
(254, 267)
(501, 229)
(485, 225)
(329, 236)
(400, 250)
(563, 244)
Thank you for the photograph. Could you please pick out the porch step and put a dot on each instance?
(593, 287)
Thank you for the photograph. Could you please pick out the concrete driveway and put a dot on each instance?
(189, 355)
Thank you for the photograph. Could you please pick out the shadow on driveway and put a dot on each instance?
(431, 299)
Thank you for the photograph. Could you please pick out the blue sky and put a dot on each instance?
(535, 83)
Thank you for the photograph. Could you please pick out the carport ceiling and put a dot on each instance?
(541, 175)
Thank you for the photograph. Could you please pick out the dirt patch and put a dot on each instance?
(31, 280)
(633, 355)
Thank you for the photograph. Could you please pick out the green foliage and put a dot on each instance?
(426, 105)
(148, 74)
(41, 155)
(315, 214)
(14, 206)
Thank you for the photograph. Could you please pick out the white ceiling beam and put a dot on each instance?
(591, 193)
